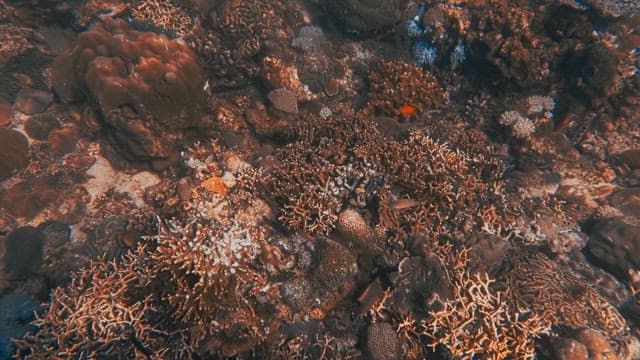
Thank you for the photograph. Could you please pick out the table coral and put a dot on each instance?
(146, 87)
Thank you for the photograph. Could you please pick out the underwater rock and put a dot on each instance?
(39, 126)
(13, 151)
(6, 110)
(27, 198)
(23, 252)
(631, 158)
(63, 141)
(615, 246)
(32, 101)
(284, 100)
(627, 201)
(366, 17)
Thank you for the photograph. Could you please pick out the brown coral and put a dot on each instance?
(394, 85)
(478, 322)
(213, 280)
(99, 314)
(146, 86)
(558, 295)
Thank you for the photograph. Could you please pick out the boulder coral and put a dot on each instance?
(145, 86)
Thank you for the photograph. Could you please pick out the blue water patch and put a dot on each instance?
(16, 312)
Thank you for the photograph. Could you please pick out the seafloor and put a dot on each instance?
(328, 179)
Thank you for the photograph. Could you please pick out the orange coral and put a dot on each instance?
(216, 185)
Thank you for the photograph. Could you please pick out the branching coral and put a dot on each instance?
(212, 280)
(478, 323)
(558, 296)
(104, 312)
(316, 177)
(397, 84)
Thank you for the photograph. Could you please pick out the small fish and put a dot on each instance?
(407, 110)
(401, 204)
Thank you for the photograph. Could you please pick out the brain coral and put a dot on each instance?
(145, 86)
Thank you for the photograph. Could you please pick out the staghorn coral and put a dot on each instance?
(316, 177)
(212, 277)
(104, 312)
(145, 86)
(478, 322)
(462, 316)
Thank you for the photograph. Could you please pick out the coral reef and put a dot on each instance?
(252, 179)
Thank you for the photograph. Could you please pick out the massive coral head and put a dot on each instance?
(146, 87)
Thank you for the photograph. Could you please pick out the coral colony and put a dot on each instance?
(332, 179)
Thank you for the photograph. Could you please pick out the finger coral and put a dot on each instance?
(145, 86)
